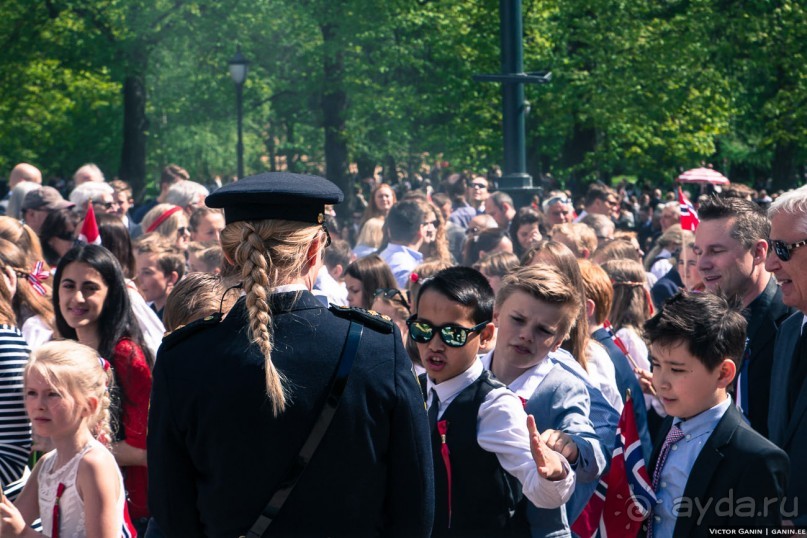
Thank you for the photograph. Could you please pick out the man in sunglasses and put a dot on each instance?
(787, 260)
(731, 246)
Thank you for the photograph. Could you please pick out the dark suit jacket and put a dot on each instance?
(735, 465)
(666, 287)
(789, 430)
(764, 315)
(216, 453)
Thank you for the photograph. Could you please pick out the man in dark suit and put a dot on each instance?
(787, 417)
(731, 245)
(712, 470)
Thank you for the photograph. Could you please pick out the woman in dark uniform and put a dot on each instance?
(235, 399)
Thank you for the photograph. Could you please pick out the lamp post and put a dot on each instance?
(238, 70)
(516, 181)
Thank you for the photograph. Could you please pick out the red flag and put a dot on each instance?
(624, 496)
(689, 217)
(89, 230)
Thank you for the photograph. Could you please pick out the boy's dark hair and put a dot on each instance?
(712, 328)
(750, 225)
(404, 221)
(465, 286)
(338, 253)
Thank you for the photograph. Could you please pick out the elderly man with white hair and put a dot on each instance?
(787, 416)
(189, 195)
(102, 196)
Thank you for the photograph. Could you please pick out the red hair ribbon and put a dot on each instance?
(36, 276)
(104, 364)
(414, 277)
(162, 218)
(442, 428)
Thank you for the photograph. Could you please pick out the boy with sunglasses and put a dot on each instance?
(482, 440)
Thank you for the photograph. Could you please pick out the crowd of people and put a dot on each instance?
(163, 380)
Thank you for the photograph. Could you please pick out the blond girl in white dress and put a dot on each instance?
(76, 489)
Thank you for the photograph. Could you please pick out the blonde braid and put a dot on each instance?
(254, 260)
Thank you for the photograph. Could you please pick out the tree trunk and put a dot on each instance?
(783, 166)
(334, 107)
(135, 125)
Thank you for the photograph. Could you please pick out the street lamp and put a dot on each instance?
(238, 70)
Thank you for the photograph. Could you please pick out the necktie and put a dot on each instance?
(798, 370)
(673, 436)
(434, 409)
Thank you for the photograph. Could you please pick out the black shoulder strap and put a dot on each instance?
(298, 466)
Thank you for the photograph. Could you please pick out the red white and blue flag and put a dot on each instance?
(689, 217)
(89, 230)
(624, 497)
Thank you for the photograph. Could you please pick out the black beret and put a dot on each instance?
(276, 195)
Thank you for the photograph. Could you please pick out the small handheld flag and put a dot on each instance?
(689, 217)
(89, 230)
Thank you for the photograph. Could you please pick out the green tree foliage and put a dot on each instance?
(639, 88)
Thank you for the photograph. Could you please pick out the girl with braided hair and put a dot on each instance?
(236, 396)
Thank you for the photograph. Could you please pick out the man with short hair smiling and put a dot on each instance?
(787, 260)
(731, 245)
(557, 209)
(600, 200)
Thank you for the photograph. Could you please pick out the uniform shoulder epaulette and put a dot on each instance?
(369, 318)
(183, 331)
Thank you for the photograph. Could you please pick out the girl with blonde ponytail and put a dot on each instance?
(236, 396)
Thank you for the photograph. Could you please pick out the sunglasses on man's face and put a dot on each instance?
(783, 250)
(422, 332)
(393, 295)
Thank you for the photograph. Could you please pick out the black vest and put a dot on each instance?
(483, 495)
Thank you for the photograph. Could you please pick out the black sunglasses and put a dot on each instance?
(422, 332)
(105, 205)
(782, 249)
(393, 295)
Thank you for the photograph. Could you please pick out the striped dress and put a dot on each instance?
(15, 428)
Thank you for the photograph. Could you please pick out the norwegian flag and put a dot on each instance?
(624, 496)
(689, 217)
(89, 230)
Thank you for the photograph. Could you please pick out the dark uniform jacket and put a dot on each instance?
(216, 453)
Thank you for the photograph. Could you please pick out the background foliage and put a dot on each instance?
(640, 88)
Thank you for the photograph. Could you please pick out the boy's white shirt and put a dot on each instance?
(502, 430)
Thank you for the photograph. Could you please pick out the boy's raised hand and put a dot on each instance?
(562, 443)
(549, 463)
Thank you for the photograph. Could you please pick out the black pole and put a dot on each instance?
(239, 93)
(513, 112)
